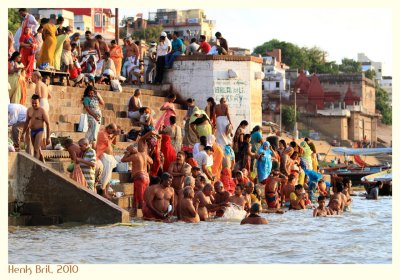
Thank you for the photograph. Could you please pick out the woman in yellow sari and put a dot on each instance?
(57, 54)
(16, 79)
(200, 123)
(116, 56)
(49, 43)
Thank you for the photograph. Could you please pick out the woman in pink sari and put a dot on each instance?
(27, 49)
(169, 110)
(168, 151)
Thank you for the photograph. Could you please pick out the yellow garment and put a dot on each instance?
(16, 81)
(301, 177)
(204, 130)
(58, 52)
(314, 163)
(49, 45)
(218, 156)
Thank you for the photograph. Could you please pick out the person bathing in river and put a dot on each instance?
(188, 208)
(158, 200)
(239, 199)
(254, 218)
(334, 208)
(321, 210)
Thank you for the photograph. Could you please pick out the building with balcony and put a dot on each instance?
(189, 23)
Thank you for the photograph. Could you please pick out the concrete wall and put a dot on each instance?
(335, 126)
(32, 181)
(363, 125)
(200, 77)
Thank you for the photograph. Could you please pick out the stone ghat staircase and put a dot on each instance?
(66, 107)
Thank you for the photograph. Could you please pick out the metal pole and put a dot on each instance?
(280, 113)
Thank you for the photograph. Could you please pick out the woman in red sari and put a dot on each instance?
(27, 49)
(168, 151)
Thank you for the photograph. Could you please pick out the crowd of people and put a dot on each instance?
(50, 46)
(192, 172)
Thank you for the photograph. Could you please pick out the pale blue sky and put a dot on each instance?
(342, 32)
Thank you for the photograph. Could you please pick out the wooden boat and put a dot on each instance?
(384, 176)
(356, 171)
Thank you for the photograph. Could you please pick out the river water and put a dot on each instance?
(361, 236)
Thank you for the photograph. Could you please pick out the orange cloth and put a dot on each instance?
(218, 156)
(103, 142)
(226, 179)
(116, 56)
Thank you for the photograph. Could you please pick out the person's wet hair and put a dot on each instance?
(321, 198)
(339, 187)
(255, 208)
(298, 187)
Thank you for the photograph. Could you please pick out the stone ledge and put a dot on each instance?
(219, 57)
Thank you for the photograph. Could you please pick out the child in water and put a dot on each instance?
(334, 207)
(321, 210)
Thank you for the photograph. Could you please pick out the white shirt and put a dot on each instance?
(162, 48)
(16, 113)
(32, 23)
(203, 158)
(193, 47)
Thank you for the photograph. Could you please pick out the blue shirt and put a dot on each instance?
(177, 45)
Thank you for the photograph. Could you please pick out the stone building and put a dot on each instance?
(341, 106)
(237, 78)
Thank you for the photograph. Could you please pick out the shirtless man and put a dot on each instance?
(179, 169)
(254, 218)
(200, 183)
(221, 197)
(346, 191)
(102, 45)
(321, 210)
(141, 179)
(239, 199)
(90, 47)
(273, 186)
(334, 208)
(206, 202)
(134, 105)
(131, 50)
(36, 117)
(73, 149)
(159, 200)
(41, 90)
(287, 189)
(66, 56)
(188, 209)
(337, 194)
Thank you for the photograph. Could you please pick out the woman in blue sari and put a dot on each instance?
(264, 162)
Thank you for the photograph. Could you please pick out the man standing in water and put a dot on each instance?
(254, 218)
(188, 209)
(159, 199)
(141, 179)
(36, 117)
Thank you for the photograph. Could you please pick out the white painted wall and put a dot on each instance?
(209, 78)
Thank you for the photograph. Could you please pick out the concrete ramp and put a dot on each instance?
(31, 182)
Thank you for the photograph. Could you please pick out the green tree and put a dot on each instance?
(14, 20)
(148, 34)
(382, 104)
(350, 66)
(370, 74)
(288, 118)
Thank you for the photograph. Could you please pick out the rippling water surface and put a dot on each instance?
(361, 236)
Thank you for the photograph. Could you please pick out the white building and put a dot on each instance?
(274, 76)
(368, 64)
(386, 84)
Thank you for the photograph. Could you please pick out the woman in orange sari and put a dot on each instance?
(28, 45)
(49, 43)
(116, 56)
(218, 156)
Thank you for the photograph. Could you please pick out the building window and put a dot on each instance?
(277, 85)
(97, 20)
